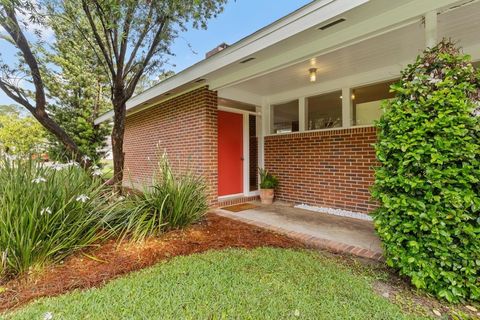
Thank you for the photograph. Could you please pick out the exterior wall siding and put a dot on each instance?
(325, 168)
(185, 128)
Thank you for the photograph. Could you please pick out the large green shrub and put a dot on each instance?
(47, 212)
(428, 182)
(172, 201)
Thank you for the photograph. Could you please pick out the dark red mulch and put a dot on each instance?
(97, 266)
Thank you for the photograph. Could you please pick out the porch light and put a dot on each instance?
(313, 74)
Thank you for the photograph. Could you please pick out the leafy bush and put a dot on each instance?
(46, 213)
(428, 182)
(171, 202)
(267, 180)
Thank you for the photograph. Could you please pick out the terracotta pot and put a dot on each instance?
(266, 196)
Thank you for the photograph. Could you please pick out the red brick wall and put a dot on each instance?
(324, 168)
(185, 127)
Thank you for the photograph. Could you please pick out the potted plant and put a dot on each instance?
(268, 183)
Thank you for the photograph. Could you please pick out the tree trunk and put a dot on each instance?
(118, 131)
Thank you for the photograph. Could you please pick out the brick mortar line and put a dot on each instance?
(310, 241)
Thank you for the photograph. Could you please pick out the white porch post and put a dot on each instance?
(266, 119)
(265, 130)
(246, 154)
(431, 34)
(346, 107)
(302, 114)
(260, 135)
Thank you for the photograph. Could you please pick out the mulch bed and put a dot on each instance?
(97, 266)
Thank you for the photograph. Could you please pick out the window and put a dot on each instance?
(366, 102)
(324, 111)
(285, 117)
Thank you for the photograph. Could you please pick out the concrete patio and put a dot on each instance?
(315, 229)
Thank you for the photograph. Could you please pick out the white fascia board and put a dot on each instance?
(298, 21)
(104, 117)
(392, 19)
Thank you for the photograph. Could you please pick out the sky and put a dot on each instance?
(239, 19)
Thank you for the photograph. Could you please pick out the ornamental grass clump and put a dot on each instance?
(47, 212)
(428, 184)
(172, 201)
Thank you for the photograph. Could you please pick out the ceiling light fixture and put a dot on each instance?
(312, 74)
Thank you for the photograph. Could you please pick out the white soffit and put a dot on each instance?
(387, 51)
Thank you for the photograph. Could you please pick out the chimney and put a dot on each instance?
(216, 50)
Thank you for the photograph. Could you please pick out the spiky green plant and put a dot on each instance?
(172, 201)
(47, 212)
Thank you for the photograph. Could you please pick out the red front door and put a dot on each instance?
(230, 153)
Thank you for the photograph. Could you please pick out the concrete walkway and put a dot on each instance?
(315, 229)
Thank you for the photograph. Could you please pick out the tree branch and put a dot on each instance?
(107, 32)
(13, 29)
(15, 94)
(143, 34)
(100, 43)
(125, 34)
(153, 47)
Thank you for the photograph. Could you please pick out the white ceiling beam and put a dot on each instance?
(240, 95)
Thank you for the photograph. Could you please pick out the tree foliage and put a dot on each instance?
(132, 39)
(21, 135)
(22, 79)
(428, 184)
(78, 90)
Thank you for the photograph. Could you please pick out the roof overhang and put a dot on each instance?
(304, 18)
(286, 42)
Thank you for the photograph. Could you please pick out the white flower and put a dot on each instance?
(82, 198)
(48, 316)
(86, 158)
(72, 163)
(46, 210)
(97, 173)
(57, 167)
(39, 180)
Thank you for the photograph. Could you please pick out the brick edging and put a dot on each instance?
(309, 241)
(234, 201)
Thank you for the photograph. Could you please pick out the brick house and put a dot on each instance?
(298, 97)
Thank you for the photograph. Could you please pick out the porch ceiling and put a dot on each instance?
(395, 48)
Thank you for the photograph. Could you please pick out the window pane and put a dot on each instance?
(285, 117)
(324, 111)
(367, 102)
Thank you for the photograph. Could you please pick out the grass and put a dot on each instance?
(107, 168)
(264, 283)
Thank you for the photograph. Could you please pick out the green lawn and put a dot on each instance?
(107, 169)
(233, 284)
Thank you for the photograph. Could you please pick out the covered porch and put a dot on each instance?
(319, 230)
(309, 102)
